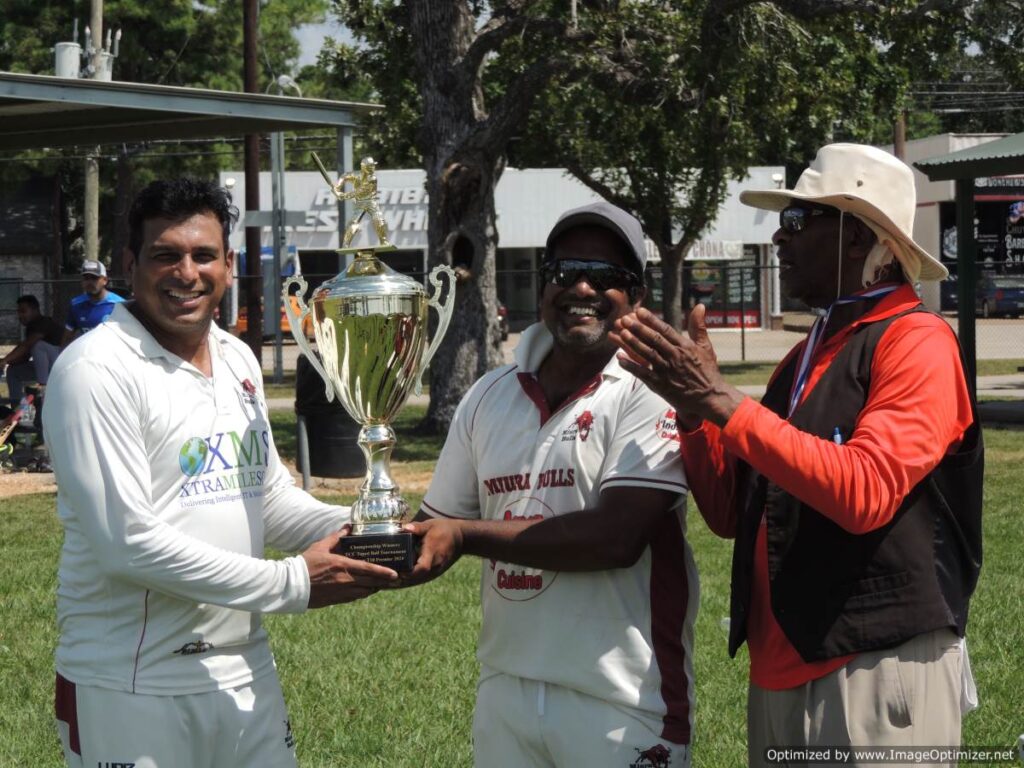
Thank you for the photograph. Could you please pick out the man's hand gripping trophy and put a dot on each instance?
(364, 198)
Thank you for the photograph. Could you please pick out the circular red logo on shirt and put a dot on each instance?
(518, 582)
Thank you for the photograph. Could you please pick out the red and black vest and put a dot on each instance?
(833, 592)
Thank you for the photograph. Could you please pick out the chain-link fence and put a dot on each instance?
(54, 300)
(749, 317)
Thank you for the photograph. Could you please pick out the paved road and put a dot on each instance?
(997, 339)
(1006, 386)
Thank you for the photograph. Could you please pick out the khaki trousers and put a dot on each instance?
(908, 696)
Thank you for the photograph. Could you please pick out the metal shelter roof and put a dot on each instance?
(44, 111)
(1001, 157)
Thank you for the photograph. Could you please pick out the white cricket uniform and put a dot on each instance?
(623, 636)
(169, 485)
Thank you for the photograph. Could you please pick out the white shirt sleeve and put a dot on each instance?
(104, 482)
(454, 488)
(644, 450)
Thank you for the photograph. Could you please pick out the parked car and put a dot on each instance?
(503, 320)
(242, 322)
(1000, 295)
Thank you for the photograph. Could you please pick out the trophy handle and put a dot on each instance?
(444, 316)
(295, 321)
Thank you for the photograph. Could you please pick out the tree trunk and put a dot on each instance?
(672, 282)
(671, 267)
(463, 234)
(463, 165)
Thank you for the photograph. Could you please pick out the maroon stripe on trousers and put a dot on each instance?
(66, 706)
(142, 636)
(670, 595)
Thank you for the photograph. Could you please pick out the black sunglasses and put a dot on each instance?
(601, 275)
(795, 218)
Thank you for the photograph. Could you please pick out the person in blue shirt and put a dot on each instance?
(92, 307)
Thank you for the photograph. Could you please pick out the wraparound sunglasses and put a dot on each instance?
(601, 275)
(795, 218)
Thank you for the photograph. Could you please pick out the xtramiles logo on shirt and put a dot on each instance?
(226, 461)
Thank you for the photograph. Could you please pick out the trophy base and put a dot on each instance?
(397, 551)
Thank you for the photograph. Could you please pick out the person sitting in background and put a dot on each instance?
(32, 359)
(94, 305)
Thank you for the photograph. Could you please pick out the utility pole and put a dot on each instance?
(92, 163)
(899, 136)
(253, 246)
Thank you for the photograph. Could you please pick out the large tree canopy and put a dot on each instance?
(707, 89)
(434, 66)
(171, 42)
(641, 100)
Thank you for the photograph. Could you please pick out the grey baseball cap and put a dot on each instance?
(610, 217)
(96, 268)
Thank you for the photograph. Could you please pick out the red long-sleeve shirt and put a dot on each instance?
(917, 410)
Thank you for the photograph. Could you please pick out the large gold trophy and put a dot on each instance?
(370, 324)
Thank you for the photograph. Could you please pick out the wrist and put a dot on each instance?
(721, 404)
(460, 539)
(688, 422)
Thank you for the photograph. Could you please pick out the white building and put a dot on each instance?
(528, 203)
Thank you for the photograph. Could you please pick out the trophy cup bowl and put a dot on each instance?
(370, 324)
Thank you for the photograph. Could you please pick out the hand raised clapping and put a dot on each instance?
(682, 368)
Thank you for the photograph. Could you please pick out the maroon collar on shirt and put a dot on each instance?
(531, 386)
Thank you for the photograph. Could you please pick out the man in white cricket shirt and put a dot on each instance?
(169, 486)
(562, 472)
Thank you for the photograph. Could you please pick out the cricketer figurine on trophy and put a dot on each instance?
(370, 324)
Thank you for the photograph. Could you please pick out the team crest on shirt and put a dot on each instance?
(666, 426)
(581, 427)
(657, 756)
(248, 392)
(194, 647)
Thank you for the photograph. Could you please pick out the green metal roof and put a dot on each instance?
(45, 111)
(1001, 157)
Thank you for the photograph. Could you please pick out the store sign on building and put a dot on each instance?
(403, 203)
(730, 288)
(1000, 201)
(999, 225)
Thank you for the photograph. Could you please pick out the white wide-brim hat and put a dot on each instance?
(870, 184)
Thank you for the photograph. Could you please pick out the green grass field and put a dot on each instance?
(390, 681)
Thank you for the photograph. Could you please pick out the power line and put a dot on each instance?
(144, 155)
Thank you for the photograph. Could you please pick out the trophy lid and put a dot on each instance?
(369, 276)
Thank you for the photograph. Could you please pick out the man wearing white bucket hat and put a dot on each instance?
(853, 490)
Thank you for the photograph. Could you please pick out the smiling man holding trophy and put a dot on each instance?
(370, 325)
(561, 472)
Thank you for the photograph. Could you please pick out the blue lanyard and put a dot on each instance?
(817, 330)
